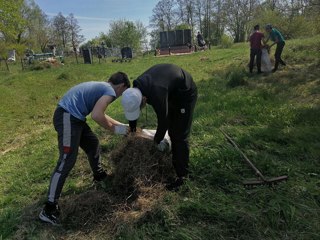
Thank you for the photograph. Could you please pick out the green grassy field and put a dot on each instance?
(274, 118)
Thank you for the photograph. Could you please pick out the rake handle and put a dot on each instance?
(245, 157)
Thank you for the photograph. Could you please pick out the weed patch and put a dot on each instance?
(64, 76)
(40, 66)
(236, 77)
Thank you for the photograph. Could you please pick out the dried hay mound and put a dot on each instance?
(87, 209)
(139, 171)
(138, 164)
(137, 189)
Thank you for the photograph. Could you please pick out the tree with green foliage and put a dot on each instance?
(290, 26)
(24, 23)
(11, 23)
(237, 17)
(61, 31)
(36, 34)
(163, 16)
(105, 39)
(11, 20)
(124, 33)
(239, 13)
(219, 23)
(154, 39)
(76, 37)
(186, 12)
(102, 39)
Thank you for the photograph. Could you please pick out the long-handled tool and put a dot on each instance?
(262, 179)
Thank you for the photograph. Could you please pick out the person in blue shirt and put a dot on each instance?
(73, 132)
(278, 39)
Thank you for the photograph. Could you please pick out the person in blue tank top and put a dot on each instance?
(278, 39)
(73, 132)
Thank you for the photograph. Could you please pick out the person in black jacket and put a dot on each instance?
(200, 40)
(173, 94)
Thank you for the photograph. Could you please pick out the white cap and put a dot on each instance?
(131, 101)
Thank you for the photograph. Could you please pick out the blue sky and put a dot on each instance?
(94, 16)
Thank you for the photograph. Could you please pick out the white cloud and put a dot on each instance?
(82, 17)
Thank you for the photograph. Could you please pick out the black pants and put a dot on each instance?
(277, 55)
(253, 53)
(72, 133)
(180, 121)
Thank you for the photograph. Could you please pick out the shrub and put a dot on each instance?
(63, 76)
(226, 41)
(40, 66)
(236, 77)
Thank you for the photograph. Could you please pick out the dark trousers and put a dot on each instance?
(255, 53)
(277, 55)
(180, 120)
(72, 133)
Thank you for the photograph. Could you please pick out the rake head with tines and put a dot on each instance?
(261, 180)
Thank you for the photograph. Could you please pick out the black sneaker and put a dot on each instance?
(99, 176)
(103, 181)
(50, 214)
(175, 185)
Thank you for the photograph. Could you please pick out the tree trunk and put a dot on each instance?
(22, 66)
(75, 53)
(7, 65)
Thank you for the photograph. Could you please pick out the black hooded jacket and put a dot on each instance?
(164, 85)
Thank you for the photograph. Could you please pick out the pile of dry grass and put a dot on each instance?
(137, 189)
(138, 185)
(87, 209)
(138, 164)
(139, 172)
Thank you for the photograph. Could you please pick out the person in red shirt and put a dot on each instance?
(255, 48)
